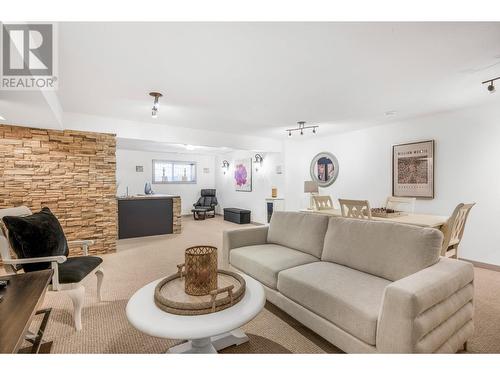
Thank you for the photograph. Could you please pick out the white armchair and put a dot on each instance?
(69, 273)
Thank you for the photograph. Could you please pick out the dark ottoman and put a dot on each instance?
(237, 215)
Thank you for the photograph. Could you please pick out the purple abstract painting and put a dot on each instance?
(243, 175)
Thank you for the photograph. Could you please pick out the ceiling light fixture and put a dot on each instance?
(156, 104)
(302, 126)
(2, 118)
(491, 84)
(190, 147)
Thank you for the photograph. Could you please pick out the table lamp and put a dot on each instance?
(311, 187)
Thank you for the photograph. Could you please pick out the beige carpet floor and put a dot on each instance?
(140, 261)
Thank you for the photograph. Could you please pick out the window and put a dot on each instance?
(174, 172)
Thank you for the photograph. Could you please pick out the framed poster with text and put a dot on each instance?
(413, 170)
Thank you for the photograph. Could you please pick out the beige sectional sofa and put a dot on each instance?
(365, 286)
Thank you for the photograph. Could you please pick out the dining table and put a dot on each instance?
(421, 220)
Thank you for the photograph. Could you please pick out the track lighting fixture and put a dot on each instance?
(302, 126)
(491, 84)
(156, 104)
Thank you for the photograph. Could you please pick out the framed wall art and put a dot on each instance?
(324, 169)
(413, 170)
(243, 175)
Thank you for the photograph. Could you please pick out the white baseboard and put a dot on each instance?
(488, 266)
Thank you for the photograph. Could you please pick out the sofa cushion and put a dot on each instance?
(387, 250)
(264, 262)
(348, 298)
(299, 231)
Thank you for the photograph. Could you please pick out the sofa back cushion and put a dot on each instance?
(383, 249)
(300, 231)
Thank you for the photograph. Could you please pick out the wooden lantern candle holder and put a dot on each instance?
(200, 270)
(198, 287)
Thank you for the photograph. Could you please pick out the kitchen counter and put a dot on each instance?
(148, 215)
(143, 196)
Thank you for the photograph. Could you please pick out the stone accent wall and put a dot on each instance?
(177, 222)
(71, 172)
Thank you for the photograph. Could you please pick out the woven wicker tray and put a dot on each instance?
(388, 214)
(171, 297)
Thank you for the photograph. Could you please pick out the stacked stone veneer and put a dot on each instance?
(71, 172)
(177, 221)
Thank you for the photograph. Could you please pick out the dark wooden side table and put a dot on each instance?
(21, 300)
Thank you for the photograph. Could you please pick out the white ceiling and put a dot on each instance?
(178, 148)
(260, 78)
(27, 108)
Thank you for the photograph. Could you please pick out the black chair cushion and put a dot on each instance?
(210, 201)
(207, 199)
(208, 192)
(204, 208)
(36, 235)
(75, 269)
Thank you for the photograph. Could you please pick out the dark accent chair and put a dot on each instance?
(206, 203)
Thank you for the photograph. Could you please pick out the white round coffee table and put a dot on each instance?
(206, 333)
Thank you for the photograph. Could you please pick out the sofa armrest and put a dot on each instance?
(428, 311)
(232, 239)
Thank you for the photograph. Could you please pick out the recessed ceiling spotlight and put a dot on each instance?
(190, 147)
(491, 84)
(156, 104)
(2, 118)
(390, 113)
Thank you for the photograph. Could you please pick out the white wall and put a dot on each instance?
(467, 169)
(127, 160)
(263, 180)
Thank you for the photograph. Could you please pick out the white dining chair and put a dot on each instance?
(401, 204)
(322, 202)
(357, 209)
(454, 230)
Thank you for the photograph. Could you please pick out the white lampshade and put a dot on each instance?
(310, 187)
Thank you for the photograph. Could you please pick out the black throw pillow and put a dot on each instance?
(36, 235)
